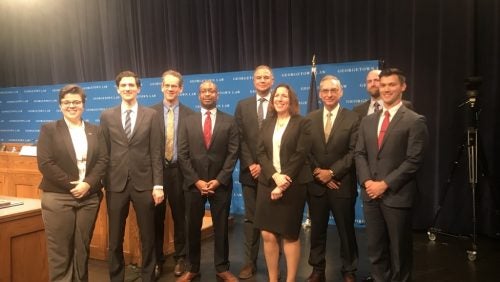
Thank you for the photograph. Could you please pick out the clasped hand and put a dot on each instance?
(207, 187)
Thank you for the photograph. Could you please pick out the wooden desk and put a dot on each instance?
(23, 252)
(19, 177)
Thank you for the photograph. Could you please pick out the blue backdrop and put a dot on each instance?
(24, 109)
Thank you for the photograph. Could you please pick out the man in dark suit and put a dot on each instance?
(172, 113)
(335, 132)
(135, 173)
(208, 150)
(375, 102)
(250, 113)
(389, 152)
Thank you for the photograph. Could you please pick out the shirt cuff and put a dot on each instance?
(158, 187)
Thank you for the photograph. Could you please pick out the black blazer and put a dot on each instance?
(294, 150)
(183, 113)
(218, 161)
(141, 157)
(248, 125)
(399, 158)
(337, 154)
(57, 159)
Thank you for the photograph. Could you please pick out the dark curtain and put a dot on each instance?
(437, 43)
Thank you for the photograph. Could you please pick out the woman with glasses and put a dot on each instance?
(72, 158)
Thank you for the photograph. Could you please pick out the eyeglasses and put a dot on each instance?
(71, 103)
(209, 90)
(333, 90)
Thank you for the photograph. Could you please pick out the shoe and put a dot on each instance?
(368, 278)
(349, 277)
(188, 276)
(316, 276)
(247, 271)
(180, 267)
(226, 276)
(158, 271)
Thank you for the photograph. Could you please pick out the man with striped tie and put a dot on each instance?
(135, 173)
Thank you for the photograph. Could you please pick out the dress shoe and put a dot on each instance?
(158, 271)
(368, 278)
(188, 276)
(316, 276)
(349, 277)
(226, 276)
(247, 271)
(180, 267)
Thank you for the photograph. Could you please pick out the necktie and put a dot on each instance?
(383, 128)
(207, 129)
(328, 126)
(260, 111)
(128, 124)
(376, 107)
(169, 135)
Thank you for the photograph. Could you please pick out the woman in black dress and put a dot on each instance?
(281, 195)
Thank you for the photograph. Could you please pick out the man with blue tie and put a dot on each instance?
(134, 174)
(389, 152)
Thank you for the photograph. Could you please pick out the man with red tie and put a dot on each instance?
(207, 153)
(388, 154)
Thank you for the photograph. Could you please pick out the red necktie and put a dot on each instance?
(207, 129)
(383, 128)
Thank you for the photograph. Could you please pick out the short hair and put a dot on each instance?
(293, 107)
(72, 89)
(393, 71)
(331, 77)
(263, 67)
(206, 82)
(175, 74)
(127, 74)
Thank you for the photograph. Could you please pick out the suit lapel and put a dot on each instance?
(336, 123)
(91, 142)
(138, 121)
(395, 120)
(218, 120)
(63, 131)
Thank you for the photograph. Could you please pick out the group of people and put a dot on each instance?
(143, 156)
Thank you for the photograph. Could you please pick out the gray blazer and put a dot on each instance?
(140, 158)
(398, 159)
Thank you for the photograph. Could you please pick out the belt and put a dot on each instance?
(170, 164)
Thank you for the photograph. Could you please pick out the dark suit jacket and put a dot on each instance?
(248, 125)
(294, 149)
(398, 159)
(362, 109)
(57, 159)
(141, 157)
(218, 161)
(183, 113)
(337, 154)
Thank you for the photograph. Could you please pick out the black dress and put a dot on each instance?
(283, 216)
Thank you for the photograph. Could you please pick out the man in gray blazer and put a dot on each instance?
(250, 113)
(375, 102)
(334, 186)
(171, 87)
(389, 152)
(135, 173)
(207, 152)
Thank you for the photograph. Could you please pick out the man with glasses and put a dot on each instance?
(172, 113)
(207, 153)
(335, 131)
